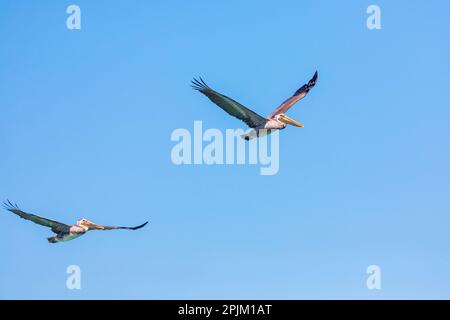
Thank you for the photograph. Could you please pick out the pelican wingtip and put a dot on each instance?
(8, 205)
(140, 226)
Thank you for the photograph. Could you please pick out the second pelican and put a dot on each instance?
(259, 125)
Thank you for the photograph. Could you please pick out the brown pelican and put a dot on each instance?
(64, 232)
(259, 125)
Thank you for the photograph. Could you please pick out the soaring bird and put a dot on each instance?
(259, 125)
(64, 232)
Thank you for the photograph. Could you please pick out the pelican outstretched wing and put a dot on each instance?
(298, 95)
(233, 108)
(56, 226)
(127, 228)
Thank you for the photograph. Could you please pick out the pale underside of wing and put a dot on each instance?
(126, 228)
(57, 227)
(232, 107)
(298, 95)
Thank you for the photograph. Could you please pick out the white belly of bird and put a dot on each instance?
(262, 131)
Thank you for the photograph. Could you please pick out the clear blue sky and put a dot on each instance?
(85, 125)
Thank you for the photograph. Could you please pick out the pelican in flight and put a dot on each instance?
(259, 125)
(64, 232)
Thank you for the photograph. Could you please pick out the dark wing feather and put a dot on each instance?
(298, 95)
(127, 228)
(56, 226)
(233, 108)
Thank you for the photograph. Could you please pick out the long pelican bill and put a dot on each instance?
(93, 226)
(286, 120)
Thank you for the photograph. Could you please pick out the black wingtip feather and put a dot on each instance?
(203, 82)
(140, 226)
(314, 78)
(307, 87)
(199, 84)
(9, 206)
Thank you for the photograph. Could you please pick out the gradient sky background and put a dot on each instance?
(85, 125)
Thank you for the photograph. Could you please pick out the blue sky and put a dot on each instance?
(85, 132)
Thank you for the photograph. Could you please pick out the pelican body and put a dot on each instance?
(63, 231)
(74, 231)
(259, 125)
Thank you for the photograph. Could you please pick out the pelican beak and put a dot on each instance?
(285, 119)
(94, 226)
